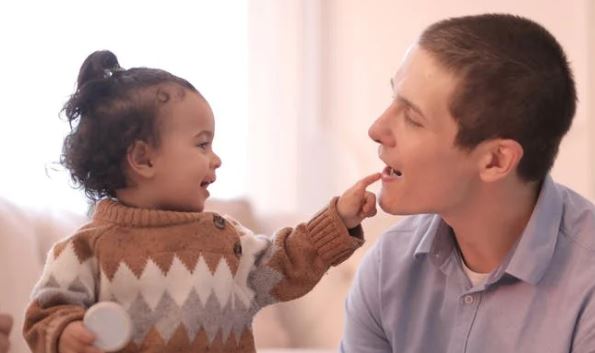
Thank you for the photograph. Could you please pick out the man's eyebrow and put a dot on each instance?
(410, 104)
(405, 100)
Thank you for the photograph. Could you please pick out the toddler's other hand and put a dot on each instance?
(356, 203)
(76, 338)
(5, 327)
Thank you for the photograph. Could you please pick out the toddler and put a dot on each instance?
(190, 280)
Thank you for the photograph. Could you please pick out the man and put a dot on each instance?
(498, 257)
(5, 327)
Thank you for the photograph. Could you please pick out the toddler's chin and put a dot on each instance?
(200, 206)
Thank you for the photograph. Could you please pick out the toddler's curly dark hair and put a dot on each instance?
(111, 108)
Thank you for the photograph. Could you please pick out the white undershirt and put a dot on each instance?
(476, 278)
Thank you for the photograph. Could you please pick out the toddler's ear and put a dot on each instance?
(138, 157)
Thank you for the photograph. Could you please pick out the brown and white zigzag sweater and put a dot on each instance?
(191, 282)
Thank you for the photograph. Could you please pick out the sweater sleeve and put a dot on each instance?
(66, 288)
(291, 262)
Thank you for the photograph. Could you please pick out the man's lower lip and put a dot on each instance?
(389, 178)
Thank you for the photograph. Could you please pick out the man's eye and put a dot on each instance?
(410, 120)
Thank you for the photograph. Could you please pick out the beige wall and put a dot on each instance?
(365, 42)
(321, 71)
(591, 88)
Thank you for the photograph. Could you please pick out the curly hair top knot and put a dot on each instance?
(96, 66)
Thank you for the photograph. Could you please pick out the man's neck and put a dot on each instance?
(491, 224)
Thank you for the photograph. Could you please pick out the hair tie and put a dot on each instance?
(107, 73)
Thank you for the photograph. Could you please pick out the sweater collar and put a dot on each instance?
(112, 211)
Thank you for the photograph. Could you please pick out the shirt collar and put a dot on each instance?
(532, 254)
(531, 257)
(436, 240)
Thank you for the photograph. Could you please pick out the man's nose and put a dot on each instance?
(373, 132)
(380, 132)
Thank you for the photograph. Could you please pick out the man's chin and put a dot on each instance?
(389, 208)
(394, 207)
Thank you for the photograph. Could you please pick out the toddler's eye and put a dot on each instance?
(203, 145)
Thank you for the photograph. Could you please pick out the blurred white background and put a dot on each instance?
(294, 84)
(45, 42)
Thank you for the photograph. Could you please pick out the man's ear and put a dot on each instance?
(499, 158)
(139, 157)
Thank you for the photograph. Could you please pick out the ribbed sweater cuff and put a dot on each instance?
(333, 241)
(57, 326)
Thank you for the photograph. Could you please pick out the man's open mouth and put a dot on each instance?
(391, 172)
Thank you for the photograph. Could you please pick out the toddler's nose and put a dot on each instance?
(216, 161)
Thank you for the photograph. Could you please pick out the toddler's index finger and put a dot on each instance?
(368, 180)
(84, 334)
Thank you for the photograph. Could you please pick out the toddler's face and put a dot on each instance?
(185, 162)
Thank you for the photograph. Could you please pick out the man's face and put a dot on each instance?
(425, 172)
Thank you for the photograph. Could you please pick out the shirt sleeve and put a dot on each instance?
(64, 291)
(363, 331)
(291, 262)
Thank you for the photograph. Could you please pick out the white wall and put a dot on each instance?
(44, 43)
(290, 161)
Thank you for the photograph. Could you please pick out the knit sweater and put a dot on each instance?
(191, 282)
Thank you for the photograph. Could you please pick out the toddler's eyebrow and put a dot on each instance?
(206, 133)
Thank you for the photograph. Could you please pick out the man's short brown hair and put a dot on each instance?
(515, 82)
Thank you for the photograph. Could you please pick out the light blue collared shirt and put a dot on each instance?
(412, 295)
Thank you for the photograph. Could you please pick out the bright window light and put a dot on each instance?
(45, 42)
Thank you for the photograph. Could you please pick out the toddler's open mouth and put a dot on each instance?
(206, 183)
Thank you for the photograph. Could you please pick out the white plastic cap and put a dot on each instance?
(111, 325)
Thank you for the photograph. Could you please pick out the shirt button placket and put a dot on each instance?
(469, 306)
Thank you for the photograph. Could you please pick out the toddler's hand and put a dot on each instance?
(356, 203)
(76, 338)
